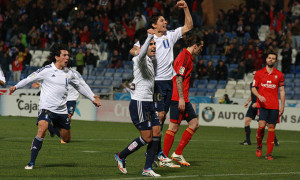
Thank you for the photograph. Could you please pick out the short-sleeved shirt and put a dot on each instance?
(268, 85)
(183, 66)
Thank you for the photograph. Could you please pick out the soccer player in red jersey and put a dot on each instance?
(181, 108)
(268, 80)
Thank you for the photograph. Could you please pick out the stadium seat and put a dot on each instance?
(100, 78)
(203, 81)
(211, 86)
(218, 57)
(222, 82)
(90, 82)
(98, 82)
(297, 96)
(105, 90)
(192, 93)
(84, 77)
(201, 93)
(206, 57)
(109, 74)
(117, 74)
(221, 86)
(201, 86)
(289, 75)
(297, 75)
(117, 82)
(196, 82)
(92, 77)
(193, 90)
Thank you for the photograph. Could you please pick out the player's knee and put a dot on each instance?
(194, 125)
(148, 139)
(162, 115)
(173, 128)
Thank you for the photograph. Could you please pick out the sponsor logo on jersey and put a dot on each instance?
(53, 75)
(269, 85)
(181, 70)
(33, 74)
(133, 145)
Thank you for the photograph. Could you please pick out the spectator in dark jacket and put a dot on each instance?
(221, 71)
(90, 61)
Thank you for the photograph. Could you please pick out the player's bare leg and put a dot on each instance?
(65, 135)
(37, 143)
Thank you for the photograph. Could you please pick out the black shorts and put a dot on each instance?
(71, 105)
(163, 95)
(177, 117)
(268, 115)
(251, 112)
(143, 114)
(59, 120)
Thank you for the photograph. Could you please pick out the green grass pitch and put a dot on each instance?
(213, 152)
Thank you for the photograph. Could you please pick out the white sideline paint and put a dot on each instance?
(162, 177)
(90, 151)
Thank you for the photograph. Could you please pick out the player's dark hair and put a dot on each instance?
(153, 19)
(272, 53)
(55, 51)
(193, 39)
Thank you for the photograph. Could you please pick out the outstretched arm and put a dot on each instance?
(144, 48)
(188, 21)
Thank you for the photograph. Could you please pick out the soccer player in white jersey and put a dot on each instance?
(52, 106)
(2, 78)
(73, 95)
(141, 108)
(165, 41)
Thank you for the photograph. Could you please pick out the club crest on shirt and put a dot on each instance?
(276, 77)
(166, 43)
(181, 70)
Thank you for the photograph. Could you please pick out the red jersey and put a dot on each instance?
(268, 85)
(183, 66)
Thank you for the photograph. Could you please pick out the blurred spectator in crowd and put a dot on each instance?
(249, 63)
(240, 54)
(80, 61)
(210, 70)
(239, 72)
(27, 59)
(93, 47)
(295, 30)
(258, 59)
(90, 61)
(116, 61)
(103, 59)
(230, 53)
(17, 66)
(276, 19)
(140, 22)
(286, 58)
(85, 35)
(240, 31)
(225, 100)
(221, 71)
(250, 50)
(221, 41)
(297, 57)
(130, 28)
(125, 45)
(201, 69)
(295, 10)
(5, 60)
(212, 39)
(48, 61)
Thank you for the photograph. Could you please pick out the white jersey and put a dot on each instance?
(144, 74)
(73, 94)
(164, 53)
(54, 90)
(2, 77)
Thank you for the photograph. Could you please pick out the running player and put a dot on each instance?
(181, 108)
(165, 41)
(52, 106)
(141, 108)
(268, 80)
(73, 95)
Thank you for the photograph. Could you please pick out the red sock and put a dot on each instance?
(168, 142)
(260, 135)
(270, 140)
(186, 137)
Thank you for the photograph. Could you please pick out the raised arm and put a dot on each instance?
(144, 48)
(188, 21)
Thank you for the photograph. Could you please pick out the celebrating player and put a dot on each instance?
(165, 41)
(141, 108)
(268, 80)
(181, 108)
(71, 102)
(52, 106)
